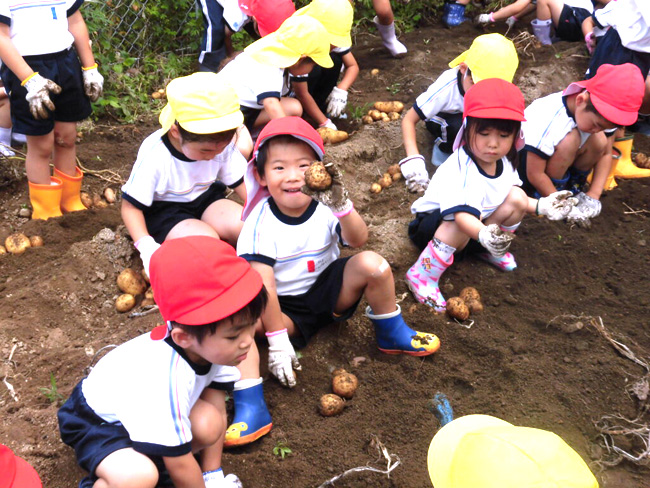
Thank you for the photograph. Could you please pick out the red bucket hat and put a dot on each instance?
(200, 279)
(616, 92)
(493, 98)
(293, 126)
(269, 14)
(15, 472)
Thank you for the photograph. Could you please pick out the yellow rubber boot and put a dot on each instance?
(610, 182)
(46, 199)
(70, 200)
(625, 167)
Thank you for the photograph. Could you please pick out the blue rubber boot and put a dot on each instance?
(395, 337)
(453, 14)
(252, 419)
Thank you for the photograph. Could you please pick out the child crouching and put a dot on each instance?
(475, 193)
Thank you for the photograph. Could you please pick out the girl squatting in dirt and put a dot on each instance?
(475, 194)
(50, 88)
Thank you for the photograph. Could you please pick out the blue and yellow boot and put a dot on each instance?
(252, 419)
(453, 14)
(395, 337)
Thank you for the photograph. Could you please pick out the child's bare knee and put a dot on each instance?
(146, 477)
(519, 198)
(64, 139)
(377, 266)
(207, 427)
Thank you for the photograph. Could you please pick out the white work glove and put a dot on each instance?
(482, 19)
(329, 124)
(495, 240)
(415, 173)
(282, 358)
(335, 197)
(590, 42)
(146, 246)
(216, 479)
(511, 21)
(588, 206)
(93, 83)
(556, 206)
(336, 102)
(38, 95)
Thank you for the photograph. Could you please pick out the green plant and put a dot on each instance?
(52, 392)
(394, 88)
(358, 111)
(281, 449)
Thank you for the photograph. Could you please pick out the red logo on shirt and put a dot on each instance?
(311, 266)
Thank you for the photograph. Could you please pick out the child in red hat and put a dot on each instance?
(157, 400)
(475, 193)
(15, 472)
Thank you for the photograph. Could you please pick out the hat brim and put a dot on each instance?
(212, 126)
(611, 113)
(459, 59)
(337, 40)
(520, 141)
(268, 50)
(26, 475)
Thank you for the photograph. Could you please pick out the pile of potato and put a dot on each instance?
(158, 94)
(96, 200)
(392, 174)
(642, 160)
(344, 386)
(331, 136)
(383, 111)
(18, 243)
(132, 284)
(468, 302)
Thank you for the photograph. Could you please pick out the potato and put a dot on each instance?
(125, 302)
(109, 195)
(469, 293)
(385, 117)
(394, 168)
(374, 72)
(98, 202)
(3, 250)
(338, 371)
(331, 405)
(331, 136)
(17, 243)
(317, 177)
(474, 306)
(156, 95)
(149, 293)
(375, 114)
(36, 241)
(385, 181)
(641, 160)
(389, 107)
(131, 282)
(367, 119)
(393, 115)
(145, 277)
(457, 309)
(147, 302)
(345, 385)
(86, 199)
(375, 188)
(397, 176)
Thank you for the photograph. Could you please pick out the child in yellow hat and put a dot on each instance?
(441, 106)
(260, 73)
(179, 180)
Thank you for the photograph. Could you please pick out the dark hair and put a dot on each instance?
(263, 152)
(217, 137)
(475, 125)
(250, 313)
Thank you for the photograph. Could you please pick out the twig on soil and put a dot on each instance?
(525, 41)
(611, 425)
(634, 212)
(467, 326)
(10, 387)
(95, 358)
(622, 349)
(392, 461)
(112, 176)
(146, 310)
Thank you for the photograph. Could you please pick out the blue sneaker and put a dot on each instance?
(453, 14)
(252, 419)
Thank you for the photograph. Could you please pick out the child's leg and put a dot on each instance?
(550, 10)
(126, 468)
(5, 125)
(291, 107)
(208, 420)
(65, 166)
(44, 190)
(224, 216)
(596, 154)
(385, 23)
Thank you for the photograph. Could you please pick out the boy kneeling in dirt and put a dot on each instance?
(566, 136)
(291, 235)
(177, 186)
(157, 400)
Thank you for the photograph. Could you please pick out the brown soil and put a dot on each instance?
(56, 309)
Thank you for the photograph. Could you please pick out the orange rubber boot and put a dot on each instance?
(70, 200)
(46, 199)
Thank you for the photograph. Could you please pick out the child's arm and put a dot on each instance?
(273, 108)
(354, 230)
(93, 80)
(588, 32)
(351, 71)
(409, 137)
(134, 221)
(309, 105)
(10, 55)
(240, 191)
(518, 9)
(338, 98)
(184, 471)
(536, 174)
(244, 142)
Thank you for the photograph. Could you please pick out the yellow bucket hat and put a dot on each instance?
(487, 452)
(335, 15)
(202, 104)
(296, 37)
(490, 56)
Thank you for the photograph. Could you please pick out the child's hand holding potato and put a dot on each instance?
(328, 191)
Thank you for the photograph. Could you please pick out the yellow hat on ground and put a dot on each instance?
(483, 451)
(202, 104)
(490, 56)
(335, 15)
(296, 37)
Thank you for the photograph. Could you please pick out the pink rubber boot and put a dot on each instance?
(423, 277)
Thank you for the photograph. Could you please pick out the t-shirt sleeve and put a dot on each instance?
(139, 189)
(436, 98)
(233, 168)
(73, 6)
(257, 238)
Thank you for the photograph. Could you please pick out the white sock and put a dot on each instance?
(444, 251)
(247, 383)
(510, 228)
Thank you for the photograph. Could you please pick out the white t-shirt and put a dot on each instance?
(460, 185)
(253, 81)
(233, 15)
(443, 95)
(631, 19)
(39, 26)
(161, 173)
(548, 121)
(298, 248)
(150, 387)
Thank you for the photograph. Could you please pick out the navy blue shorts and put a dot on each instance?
(569, 27)
(161, 217)
(314, 309)
(72, 104)
(423, 227)
(609, 50)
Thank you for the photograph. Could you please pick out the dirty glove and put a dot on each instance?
(336, 102)
(415, 173)
(38, 95)
(335, 197)
(93, 82)
(146, 246)
(556, 206)
(590, 207)
(511, 21)
(329, 124)
(483, 19)
(495, 240)
(216, 479)
(590, 41)
(282, 357)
